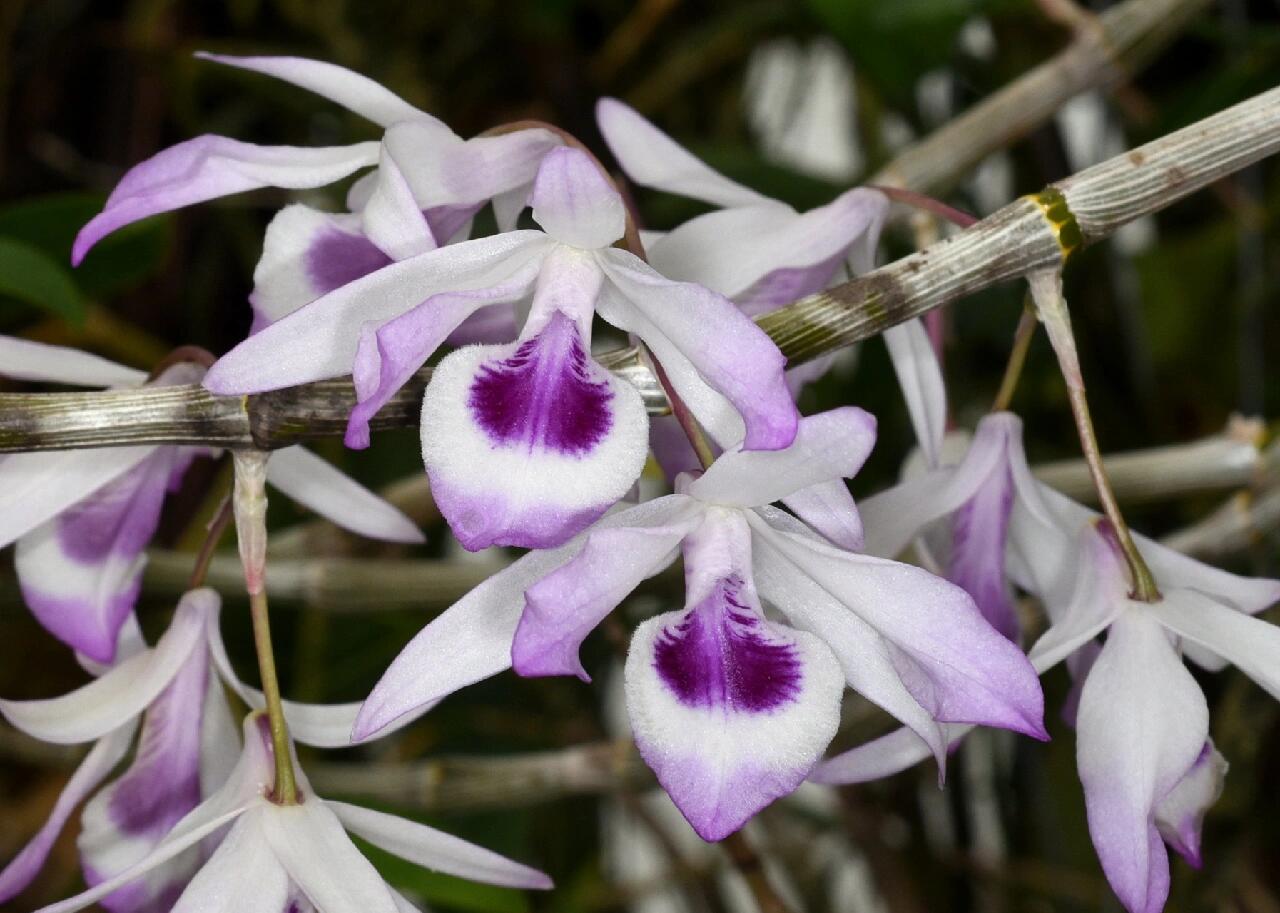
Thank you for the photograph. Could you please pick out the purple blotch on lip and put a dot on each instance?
(721, 654)
(543, 396)
(337, 258)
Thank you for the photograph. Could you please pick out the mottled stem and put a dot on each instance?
(250, 501)
(1029, 234)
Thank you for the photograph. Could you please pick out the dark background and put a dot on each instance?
(1175, 338)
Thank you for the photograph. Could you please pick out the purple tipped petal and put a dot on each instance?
(950, 660)
(653, 159)
(468, 642)
(1180, 813)
(471, 640)
(526, 444)
(210, 166)
(128, 819)
(1142, 726)
(726, 369)
(353, 91)
(80, 573)
(575, 203)
(387, 357)
(566, 605)
(39, 486)
(97, 764)
(897, 515)
(320, 340)
(730, 710)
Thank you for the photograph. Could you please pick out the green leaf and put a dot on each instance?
(894, 42)
(118, 262)
(32, 276)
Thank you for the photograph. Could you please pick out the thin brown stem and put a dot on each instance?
(1051, 306)
(925, 203)
(1017, 358)
(217, 526)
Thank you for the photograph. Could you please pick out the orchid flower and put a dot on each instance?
(185, 751)
(528, 443)
(762, 254)
(82, 519)
(730, 708)
(1143, 783)
(287, 857)
(968, 508)
(448, 178)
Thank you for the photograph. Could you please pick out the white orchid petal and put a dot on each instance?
(567, 604)
(436, 850)
(729, 709)
(471, 640)
(829, 446)
(39, 486)
(574, 202)
(1141, 726)
(653, 159)
(1249, 643)
(97, 764)
(717, 359)
(308, 840)
(243, 874)
(946, 654)
(195, 827)
(124, 691)
(527, 443)
(392, 218)
(920, 377)
(23, 359)
(315, 483)
(351, 90)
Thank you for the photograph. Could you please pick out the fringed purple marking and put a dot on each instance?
(722, 655)
(543, 396)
